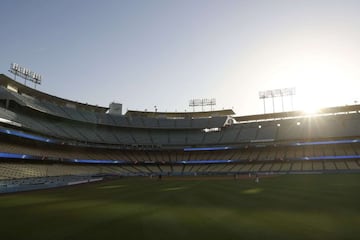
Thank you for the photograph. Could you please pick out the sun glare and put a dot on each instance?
(318, 84)
(320, 71)
(311, 110)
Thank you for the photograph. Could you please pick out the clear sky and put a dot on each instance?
(165, 52)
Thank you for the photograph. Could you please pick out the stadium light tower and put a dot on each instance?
(25, 73)
(277, 93)
(202, 102)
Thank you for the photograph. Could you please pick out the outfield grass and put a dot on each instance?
(281, 207)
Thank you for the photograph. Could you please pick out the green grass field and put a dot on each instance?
(279, 207)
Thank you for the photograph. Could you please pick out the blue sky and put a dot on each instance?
(164, 53)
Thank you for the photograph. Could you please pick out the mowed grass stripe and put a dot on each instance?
(279, 207)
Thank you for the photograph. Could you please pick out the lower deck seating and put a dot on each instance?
(21, 171)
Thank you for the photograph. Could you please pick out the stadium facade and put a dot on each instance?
(47, 136)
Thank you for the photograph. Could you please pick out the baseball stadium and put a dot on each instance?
(70, 170)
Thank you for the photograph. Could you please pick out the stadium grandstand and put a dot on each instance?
(45, 139)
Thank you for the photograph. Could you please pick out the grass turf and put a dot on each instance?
(280, 207)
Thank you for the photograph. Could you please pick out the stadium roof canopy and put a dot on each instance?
(9, 83)
(296, 114)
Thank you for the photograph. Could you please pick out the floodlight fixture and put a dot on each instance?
(283, 92)
(202, 102)
(25, 73)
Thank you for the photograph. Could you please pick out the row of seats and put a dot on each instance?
(29, 170)
(41, 180)
(245, 154)
(332, 126)
(263, 167)
(11, 171)
(325, 127)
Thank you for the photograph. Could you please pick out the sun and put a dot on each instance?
(311, 110)
(319, 85)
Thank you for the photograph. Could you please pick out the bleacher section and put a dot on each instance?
(317, 158)
(61, 122)
(71, 113)
(43, 136)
